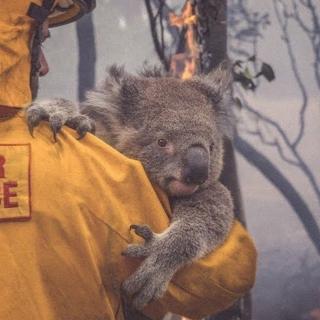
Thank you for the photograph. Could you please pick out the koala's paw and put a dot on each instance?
(151, 279)
(58, 112)
(141, 250)
(147, 284)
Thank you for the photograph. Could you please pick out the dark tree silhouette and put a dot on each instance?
(87, 55)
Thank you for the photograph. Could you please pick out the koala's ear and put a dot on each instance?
(218, 82)
(117, 94)
(100, 99)
(113, 103)
(113, 99)
(216, 85)
(119, 82)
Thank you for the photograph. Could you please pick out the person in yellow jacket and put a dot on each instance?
(66, 208)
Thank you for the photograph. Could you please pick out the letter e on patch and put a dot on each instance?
(15, 184)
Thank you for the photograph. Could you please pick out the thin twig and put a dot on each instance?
(283, 22)
(155, 37)
(161, 25)
(299, 160)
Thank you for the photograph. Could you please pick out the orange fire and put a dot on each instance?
(184, 65)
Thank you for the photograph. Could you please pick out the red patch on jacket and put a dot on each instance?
(15, 184)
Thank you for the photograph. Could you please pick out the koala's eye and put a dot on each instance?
(162, 142)
(211, 147)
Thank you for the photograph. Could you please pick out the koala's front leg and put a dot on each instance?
(200, 224)
(58, 112)
(165, 254)
(151, 279)
(207, 216)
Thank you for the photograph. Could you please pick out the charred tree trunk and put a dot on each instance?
(87, 55)
(212, 30)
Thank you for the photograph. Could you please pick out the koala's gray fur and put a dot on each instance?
(135, 114)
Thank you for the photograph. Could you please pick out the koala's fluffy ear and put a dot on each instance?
(217, 87)
(113, 98)
(111, 103)
(121, 86)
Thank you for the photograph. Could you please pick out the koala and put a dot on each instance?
(176, 129)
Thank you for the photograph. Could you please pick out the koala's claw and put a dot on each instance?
(34, 117)
(55, 131)
(56, 123)
(31, 127)
(144, 231)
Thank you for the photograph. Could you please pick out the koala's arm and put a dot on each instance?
(204, 219)
(200, 223)
(59, 112)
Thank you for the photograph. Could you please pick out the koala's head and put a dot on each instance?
(174, 127)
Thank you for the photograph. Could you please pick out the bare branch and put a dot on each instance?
(275, 142)
(275, 176)
(314, 36)
(299, 162)
(155, 37)
(161, 25)
(296, 15)
(283, 22)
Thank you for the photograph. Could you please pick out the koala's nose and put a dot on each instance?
(196, 165)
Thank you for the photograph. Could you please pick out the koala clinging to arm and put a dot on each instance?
(176, 129)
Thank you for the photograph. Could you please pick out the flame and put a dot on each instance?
(187, 16)
(184, 65)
